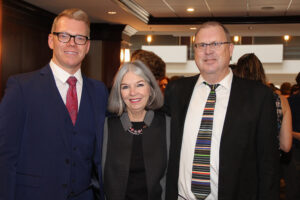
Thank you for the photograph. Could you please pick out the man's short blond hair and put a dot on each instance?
(73, 13)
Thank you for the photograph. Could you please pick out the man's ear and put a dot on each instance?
(231, 47)
(50, 41)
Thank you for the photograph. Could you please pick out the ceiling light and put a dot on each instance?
(190, 9)
(111, 12)
(193, 28)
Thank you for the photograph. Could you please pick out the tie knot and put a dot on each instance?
(213, 87)
(72, 81)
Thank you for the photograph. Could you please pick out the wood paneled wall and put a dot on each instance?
(24, 39)
(25, 30)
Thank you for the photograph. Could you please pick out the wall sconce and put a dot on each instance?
(193, 39)
(122, 55)
(286, 38)
(125, 55)
(236, 39)
(149, 39)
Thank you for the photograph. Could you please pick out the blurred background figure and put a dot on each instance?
(274, 88)
(156, 65)
(250, 67)
(153, 61)
(285, 89)
(232, 66)
(293, 161)
(163, 84)
(135, 150)
(295, 89)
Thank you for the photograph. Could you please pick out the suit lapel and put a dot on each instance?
(91, 90)
(229, 136)
(185, 98)
(54, 101)
(233, 106)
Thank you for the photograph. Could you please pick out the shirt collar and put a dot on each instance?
(224, 83)
(62, 75)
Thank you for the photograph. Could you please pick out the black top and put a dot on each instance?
(137, 186)
(294, 102)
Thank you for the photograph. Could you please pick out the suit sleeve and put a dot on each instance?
(268, 151)
(11, 127)
(167, 100)
(97, 183)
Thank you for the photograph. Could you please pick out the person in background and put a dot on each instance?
(295, 89)
(250, 67)
(292, 170)
(285, 89)
(136, 137)
(153, 61)
(51, 122)
(274, 88)
(234, 154)
(163, 84)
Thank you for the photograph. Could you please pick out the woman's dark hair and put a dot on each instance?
(250, 67)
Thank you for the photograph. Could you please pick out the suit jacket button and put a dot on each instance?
(67, 161)
(64, 186)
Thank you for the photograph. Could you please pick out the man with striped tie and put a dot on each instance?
(223, 143)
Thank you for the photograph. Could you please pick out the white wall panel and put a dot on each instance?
(169, 54)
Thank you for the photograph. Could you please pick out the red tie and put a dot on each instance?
(72, 102)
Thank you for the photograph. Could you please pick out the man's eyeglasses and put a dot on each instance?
(65, 38)
(213, 46)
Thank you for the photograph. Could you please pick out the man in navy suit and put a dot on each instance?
(243, 150)
(51, 130)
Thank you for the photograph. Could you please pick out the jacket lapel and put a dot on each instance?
(54, 101)
(185, 97)
(233, 106)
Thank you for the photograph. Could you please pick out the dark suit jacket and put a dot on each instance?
(294, 102)
(249, 157)
(35, 143)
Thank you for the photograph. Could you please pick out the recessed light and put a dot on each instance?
(190, 9)
(111, 12)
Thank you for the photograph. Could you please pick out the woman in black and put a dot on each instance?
(136, 137)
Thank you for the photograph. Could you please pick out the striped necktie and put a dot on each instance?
(201, 164)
